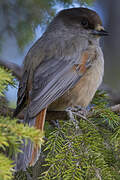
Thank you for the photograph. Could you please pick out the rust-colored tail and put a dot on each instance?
(39, 124)
(31, 151)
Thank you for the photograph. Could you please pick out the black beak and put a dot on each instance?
(100, 33)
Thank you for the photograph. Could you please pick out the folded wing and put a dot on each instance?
(51, 80)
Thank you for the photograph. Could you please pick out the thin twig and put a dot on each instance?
(115, 108)
(14, 68)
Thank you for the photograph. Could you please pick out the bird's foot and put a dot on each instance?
(79, 111)
(55, 123)
(72, 117)
(83, 111)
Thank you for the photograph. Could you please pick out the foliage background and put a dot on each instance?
(79, 149)
(11, 133)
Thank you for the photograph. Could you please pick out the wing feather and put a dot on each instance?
(50, 83)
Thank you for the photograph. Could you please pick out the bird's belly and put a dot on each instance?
(82, 93)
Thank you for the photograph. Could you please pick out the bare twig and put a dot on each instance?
(14, 68)
(115, 108)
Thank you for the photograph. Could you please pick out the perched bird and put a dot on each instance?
(63, 68)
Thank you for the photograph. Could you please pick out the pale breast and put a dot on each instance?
(89, 83)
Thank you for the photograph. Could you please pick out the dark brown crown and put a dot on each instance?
(89, 19)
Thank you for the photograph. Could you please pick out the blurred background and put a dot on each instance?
(22, 22)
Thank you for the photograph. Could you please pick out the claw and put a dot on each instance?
(77, 110)
(72, 118)
(83, 111)
(55, 123)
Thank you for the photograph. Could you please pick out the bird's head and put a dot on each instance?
(83, 21)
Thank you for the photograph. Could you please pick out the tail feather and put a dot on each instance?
(23, 157)
(31, 151)
(39, 124)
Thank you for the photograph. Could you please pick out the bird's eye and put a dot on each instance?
(84, 23)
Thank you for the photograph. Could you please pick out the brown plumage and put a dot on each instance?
(63, 68)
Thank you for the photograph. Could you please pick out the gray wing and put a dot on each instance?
(51, 80)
